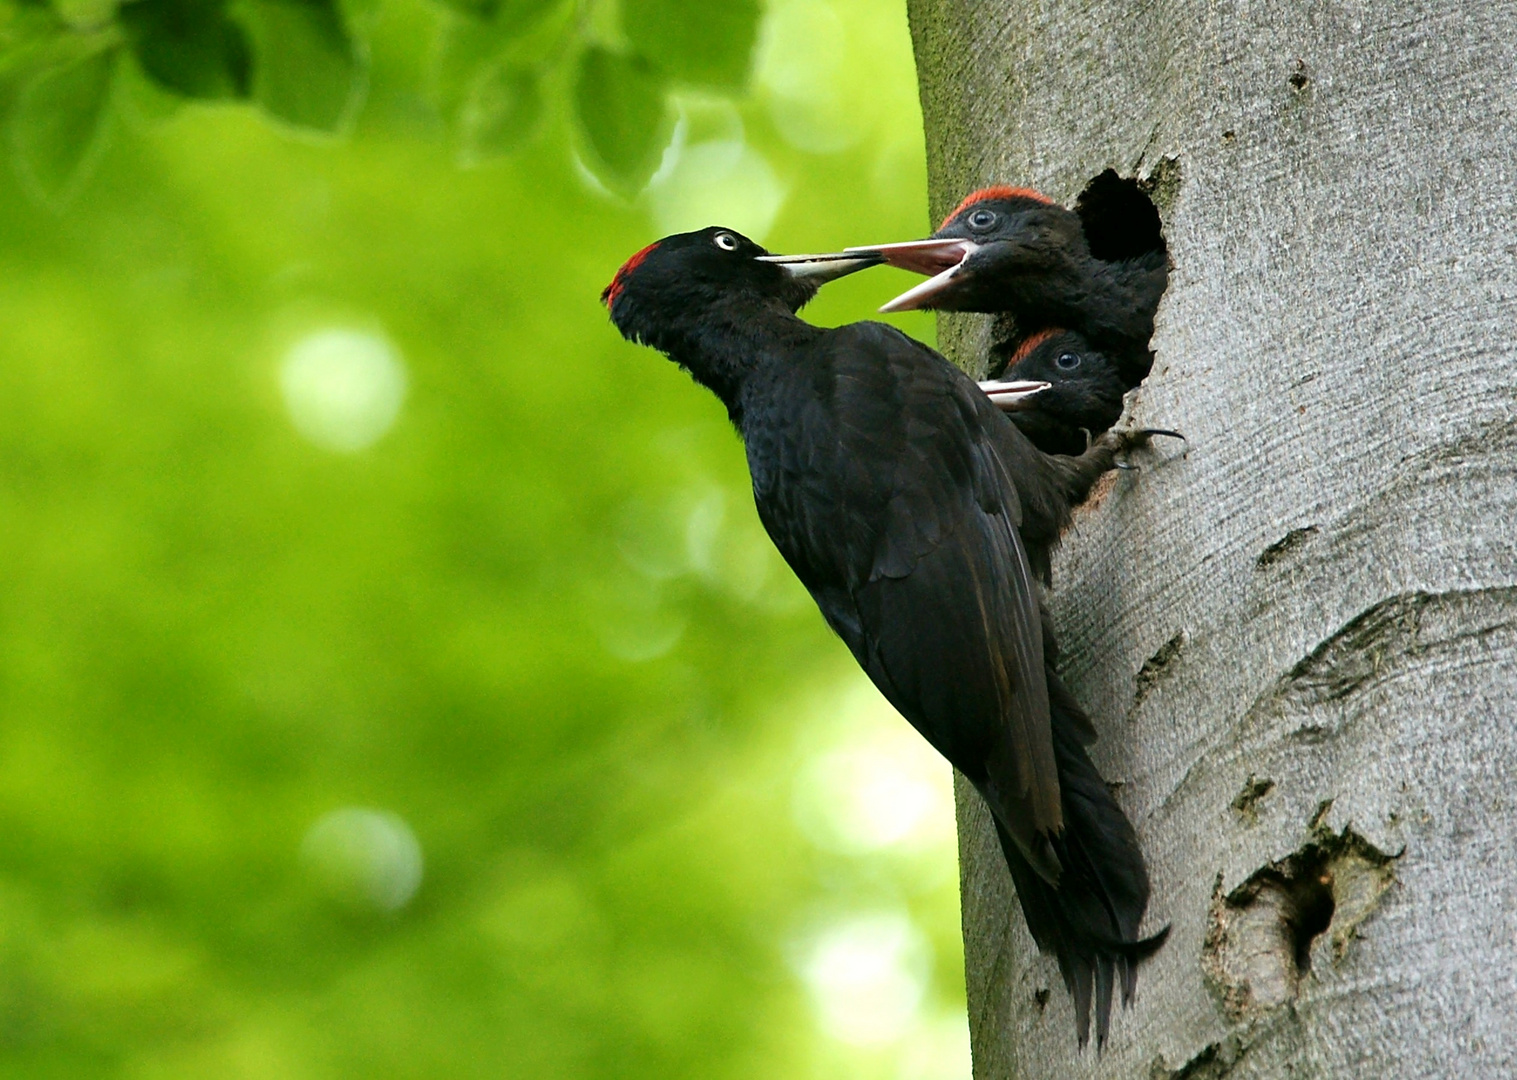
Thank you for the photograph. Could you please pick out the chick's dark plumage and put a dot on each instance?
(1084, 395)
(918, 518)
(1099, 270)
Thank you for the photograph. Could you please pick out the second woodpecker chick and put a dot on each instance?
(1083, 394)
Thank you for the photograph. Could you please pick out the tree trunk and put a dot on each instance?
(1299, 638)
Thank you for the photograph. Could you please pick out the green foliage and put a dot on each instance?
(304, 62)
(60, 121)
(309, 71)
(478, 567)
(189, 47)
(499, 112)
(704, 44)
(620, 102)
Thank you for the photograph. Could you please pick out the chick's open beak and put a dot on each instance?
(940, 259)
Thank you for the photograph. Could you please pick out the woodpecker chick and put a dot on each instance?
(1098, 270)
(1083, 394)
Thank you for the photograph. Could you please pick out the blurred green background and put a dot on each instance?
(395, 680)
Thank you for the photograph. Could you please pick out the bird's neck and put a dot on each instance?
(723, 347)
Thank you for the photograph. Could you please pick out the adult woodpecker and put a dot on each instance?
(1082, 398)
(1098, 270)
(918, 518)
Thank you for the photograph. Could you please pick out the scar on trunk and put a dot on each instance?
(1284, 546)
(1262, 937)
(1246, 802)
(1155, 667)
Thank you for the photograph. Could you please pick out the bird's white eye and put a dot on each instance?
(1068, 361)
(982, 219)
(726, 241)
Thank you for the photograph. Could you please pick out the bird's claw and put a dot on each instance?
(1137, 437)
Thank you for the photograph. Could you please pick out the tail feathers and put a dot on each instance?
(1090, 919)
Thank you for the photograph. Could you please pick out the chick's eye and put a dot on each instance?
(1068, 361)
(726, 241)
(982, 219)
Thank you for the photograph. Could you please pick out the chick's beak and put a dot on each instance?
(1013, 396)
(821, 269)
(940, 259)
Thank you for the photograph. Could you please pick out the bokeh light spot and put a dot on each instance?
(343, 388)
(635, 622)
(801, 63)
(888, 789)
(729, 551)
(365, 858)
(719, 182)
(866, 976)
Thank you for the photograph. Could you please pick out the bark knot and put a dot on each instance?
(1246, 802)
(1155, 667)
(1284, 546)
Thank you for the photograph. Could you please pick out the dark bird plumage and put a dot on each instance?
(919, 519)
(1099, 270)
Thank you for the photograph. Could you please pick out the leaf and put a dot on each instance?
(27, 35)
(189, 47)
(141, 100)
(695, 41)
(623, 115)
(515, 12)
(59, 124)
(464, 49)
(466, 45)
(307, 70)
(86, 14)
(499, 113)
(477, 9)
(359, 14)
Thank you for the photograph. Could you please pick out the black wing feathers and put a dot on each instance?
(891, 496)
(903, 498)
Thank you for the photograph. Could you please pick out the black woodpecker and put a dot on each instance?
(919, 518)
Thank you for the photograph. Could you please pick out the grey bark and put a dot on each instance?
(1299, 638)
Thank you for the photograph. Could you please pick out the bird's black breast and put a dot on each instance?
(859, 456)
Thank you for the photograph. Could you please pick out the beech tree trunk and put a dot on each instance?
(1299, 637)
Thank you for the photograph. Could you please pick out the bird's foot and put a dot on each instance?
(1141, 437)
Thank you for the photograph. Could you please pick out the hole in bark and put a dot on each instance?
(1258, 948)
(1309, 911)
(1298, 79)
(1120, 218)
(1213, 1062)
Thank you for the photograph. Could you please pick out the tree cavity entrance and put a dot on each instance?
(1263, 935)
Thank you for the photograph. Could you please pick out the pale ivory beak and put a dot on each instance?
(823, 268)
(1012, 396)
